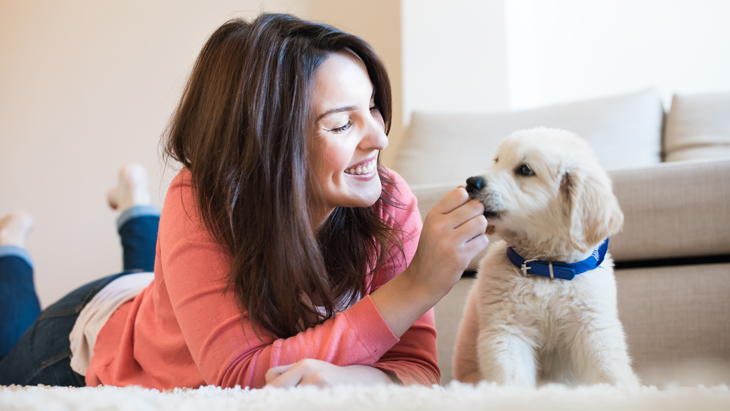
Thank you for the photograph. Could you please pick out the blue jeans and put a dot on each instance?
(35, 349)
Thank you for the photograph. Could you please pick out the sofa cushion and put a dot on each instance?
(676, 321)
(624, 130)
(698, 127)
(673, 210)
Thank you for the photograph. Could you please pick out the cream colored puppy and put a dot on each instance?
(549, 200)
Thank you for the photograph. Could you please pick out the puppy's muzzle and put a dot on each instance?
(474, 186)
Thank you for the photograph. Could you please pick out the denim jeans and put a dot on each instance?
(39, 348)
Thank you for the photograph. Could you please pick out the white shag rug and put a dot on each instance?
(455, 396)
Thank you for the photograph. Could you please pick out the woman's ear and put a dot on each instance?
(593, 209)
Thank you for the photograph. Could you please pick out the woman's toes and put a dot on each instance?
(15, 227)
(131, 188)
(111, 198)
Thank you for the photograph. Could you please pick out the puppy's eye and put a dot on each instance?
(496, 160)
(525, 170)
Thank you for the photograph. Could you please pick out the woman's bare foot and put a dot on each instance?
(131, 189)
(14, 228)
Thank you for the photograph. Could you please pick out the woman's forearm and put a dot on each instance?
(401, 301)
(453, 233)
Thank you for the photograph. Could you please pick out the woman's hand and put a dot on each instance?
(323, 374)
(453, 233)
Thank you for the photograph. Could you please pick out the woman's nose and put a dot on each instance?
(375, 137)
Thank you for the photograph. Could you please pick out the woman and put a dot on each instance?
(286, 254)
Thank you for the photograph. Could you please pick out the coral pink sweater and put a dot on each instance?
(183, 331)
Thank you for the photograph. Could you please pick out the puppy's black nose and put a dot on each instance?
(474, 184)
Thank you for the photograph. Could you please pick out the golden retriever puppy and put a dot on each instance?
(543, 308)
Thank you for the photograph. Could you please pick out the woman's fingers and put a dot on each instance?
(287, 379)
(476, 245)
(467, 212)
(452, 200)
(470, 240)
(473, 227)
(305, 372)
(453, 222)
(273, 376)
(317, 379)
(457, 207)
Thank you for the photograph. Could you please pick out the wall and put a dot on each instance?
(495, 55)
(454, 56)
(563, 50)
(86, 86)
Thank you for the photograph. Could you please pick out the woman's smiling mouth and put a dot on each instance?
(365, 167)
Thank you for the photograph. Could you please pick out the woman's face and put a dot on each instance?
(348, 133)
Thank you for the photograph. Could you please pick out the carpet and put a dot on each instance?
(455, 396)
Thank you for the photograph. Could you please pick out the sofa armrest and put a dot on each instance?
(673, 210)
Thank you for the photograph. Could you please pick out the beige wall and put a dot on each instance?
(86, 86)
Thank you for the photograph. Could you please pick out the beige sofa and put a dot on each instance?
(671, 174)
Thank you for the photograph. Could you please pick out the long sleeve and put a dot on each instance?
(186, 328)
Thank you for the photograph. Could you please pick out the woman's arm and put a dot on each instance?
(452, 234)
(413, 359)
(222, 343)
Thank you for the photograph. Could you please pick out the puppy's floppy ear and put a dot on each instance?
(593, 209)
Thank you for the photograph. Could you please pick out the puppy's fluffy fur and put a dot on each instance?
(523, 329)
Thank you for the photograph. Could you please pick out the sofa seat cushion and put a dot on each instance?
(624, 130)
(698, 127)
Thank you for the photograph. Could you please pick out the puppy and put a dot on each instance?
(544, 320)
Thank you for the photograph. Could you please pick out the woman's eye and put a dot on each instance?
(342, 128)
(525, 170)
(374, 108)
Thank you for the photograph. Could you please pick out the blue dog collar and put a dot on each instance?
(564, 271)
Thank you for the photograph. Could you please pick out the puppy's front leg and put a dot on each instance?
(507, 355)
(466, 364)
(599, 354)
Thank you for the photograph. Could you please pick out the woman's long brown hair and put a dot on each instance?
(241, 130)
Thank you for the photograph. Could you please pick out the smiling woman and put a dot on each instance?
(286, 253)
(347, 137)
